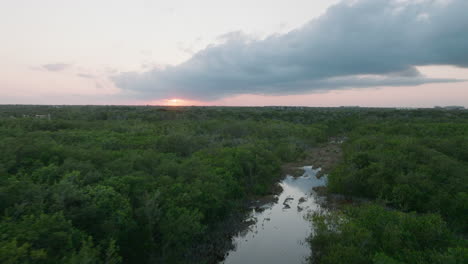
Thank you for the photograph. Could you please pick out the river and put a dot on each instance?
(278, 233)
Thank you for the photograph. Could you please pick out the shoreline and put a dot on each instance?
(324, 156)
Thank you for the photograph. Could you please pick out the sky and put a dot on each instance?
(380, 53)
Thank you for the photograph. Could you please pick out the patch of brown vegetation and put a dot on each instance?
(325, 156)
(292, 169)
(333, 201)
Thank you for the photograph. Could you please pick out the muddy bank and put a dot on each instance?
(324, 156)
(327, 156)
(334, 201)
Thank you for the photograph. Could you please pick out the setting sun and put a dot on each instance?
(174, 102)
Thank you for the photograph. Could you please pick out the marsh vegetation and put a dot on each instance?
(125, 184)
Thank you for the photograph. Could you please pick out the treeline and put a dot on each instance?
(136, 190)
(417, 174)
(128, 184)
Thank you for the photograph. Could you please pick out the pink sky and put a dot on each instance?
(168, 33)
(49, 90)
(427, 95)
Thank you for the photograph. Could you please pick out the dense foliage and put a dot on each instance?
(124, 184)
(106, 184)
(418, 167)
(373, 234)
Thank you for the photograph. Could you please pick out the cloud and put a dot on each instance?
(86, 75)
(55, 67)
(358, 43)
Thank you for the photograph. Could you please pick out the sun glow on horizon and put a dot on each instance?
(175, 102)
(172, 102)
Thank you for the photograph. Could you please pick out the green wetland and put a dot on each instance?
(144, 184)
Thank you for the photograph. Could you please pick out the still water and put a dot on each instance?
(279, 232)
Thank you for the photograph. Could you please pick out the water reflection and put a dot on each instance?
(279, 232)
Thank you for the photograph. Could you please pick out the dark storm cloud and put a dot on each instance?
(364, 43)
(55, 66)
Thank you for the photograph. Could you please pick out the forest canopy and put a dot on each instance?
(128, 184)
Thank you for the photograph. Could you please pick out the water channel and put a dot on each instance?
(279, 230)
